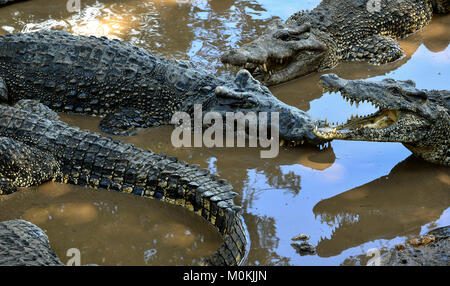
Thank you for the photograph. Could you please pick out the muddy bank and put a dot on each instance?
(431, 249)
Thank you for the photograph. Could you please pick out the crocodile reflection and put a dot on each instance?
(262, 230)
(437, 36)
(414, 194)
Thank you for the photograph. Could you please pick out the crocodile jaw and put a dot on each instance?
(365, 128)
(394, 122)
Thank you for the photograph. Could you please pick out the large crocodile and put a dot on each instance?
(419, 119)
(36, 147)
(335, 31)
(129, 86)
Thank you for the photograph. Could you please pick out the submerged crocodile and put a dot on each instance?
(36, 147)
(419, 119)
(130, 87)
(335, 31)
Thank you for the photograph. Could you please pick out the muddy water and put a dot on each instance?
(111, 228)
(349, 198)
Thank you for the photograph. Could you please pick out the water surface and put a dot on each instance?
(350, 197)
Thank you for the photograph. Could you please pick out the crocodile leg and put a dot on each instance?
(377, 50)
(24, 166)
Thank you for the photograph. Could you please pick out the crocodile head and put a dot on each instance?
(417, 118)
(246, 95)
(284, 52)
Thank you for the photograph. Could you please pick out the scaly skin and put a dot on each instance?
(41, 149)
(24, 244)
(334, 31)
(419, 119)
(129, 86)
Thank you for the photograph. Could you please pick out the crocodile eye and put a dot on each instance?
(395, 90)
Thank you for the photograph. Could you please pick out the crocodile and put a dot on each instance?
(419, 119)
(131, 88)
(36, 148)
(334, 31)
